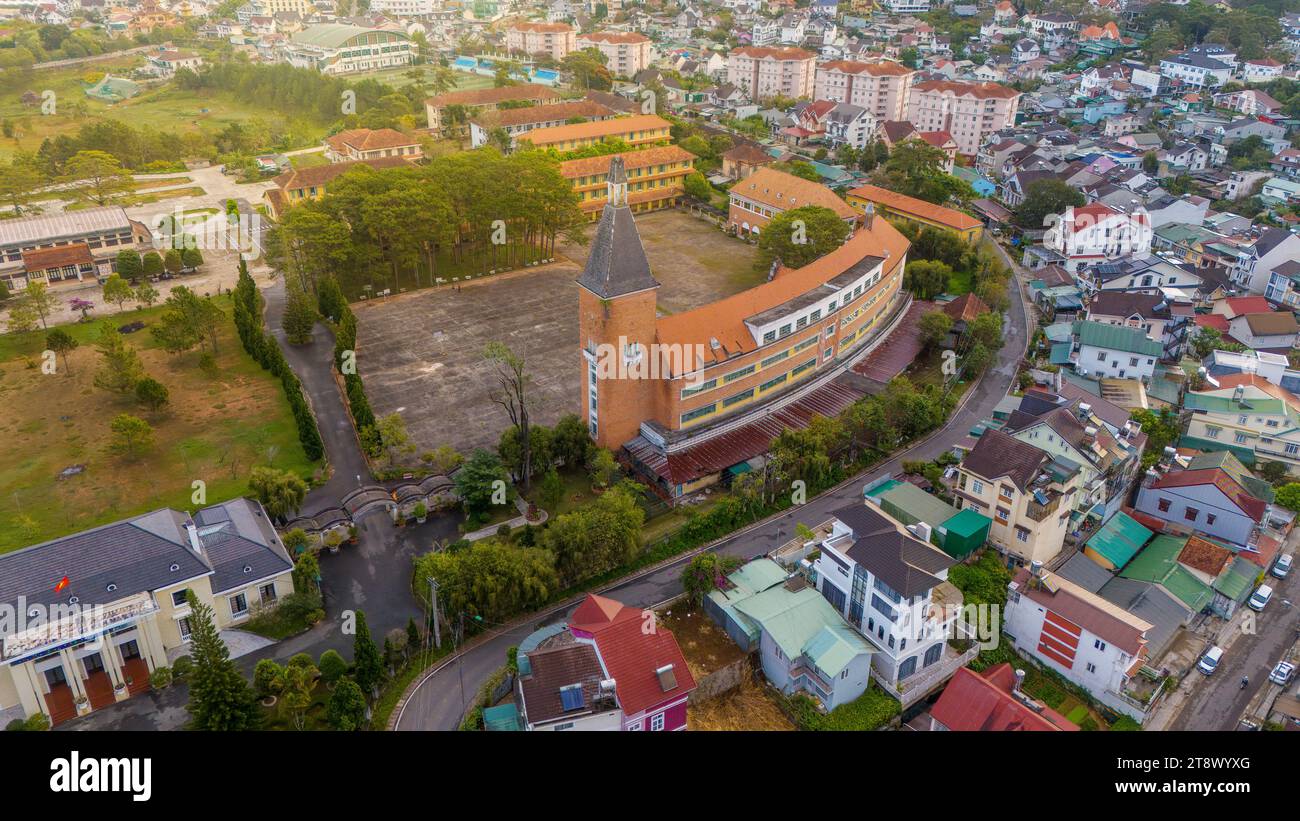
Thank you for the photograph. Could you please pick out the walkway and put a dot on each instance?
(438, 702)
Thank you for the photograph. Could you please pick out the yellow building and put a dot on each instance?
(917, 212)
(636, 130)
(1028, 495)
(310, 183)
(655, 178)
(92, 615)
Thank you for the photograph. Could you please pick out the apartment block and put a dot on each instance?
(767, 71)
(882, 88)
(626, 53)
(553, 40)
(969, 112)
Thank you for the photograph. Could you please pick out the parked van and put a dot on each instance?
(1283, 566)
(1210, 661)
(1260, 597)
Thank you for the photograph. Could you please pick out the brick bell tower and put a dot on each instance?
(616, 322)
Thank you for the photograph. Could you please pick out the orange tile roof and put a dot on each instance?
(594, 130)
(542, 28)
(938, 139)
(982, 91)
(490, 96)
(724, 320)
(318, 175)
(614, 37)
(774, 52)
(884, 68)
(1205, 556)
(920, 208)
(365, 139)
(544, 113)
(783, 191)
(631, 159)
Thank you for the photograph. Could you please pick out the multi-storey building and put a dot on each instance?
(67, 247)
(1215, 495)
(122, 610)
(969, 112)
(517, 121)
(767, 71)
(449, 114)
(764, 194)
(1027, 493)
(337, 48)
(310, 183)
(660, 385)
(917, 212)
(1248, 415)
(1078, 634)
(892, 585)
(655, 178)
(882, 88)
(625, 52)
(553, 40)
(636, 130)
(1096, 233)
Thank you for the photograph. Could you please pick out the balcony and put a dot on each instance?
(76, 623)
(1038, 512)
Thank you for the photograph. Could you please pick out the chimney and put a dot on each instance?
(193, 533)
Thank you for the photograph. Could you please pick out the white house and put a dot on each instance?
(1255, 262)
(1116, 351)
(1088, 640)
(1090, 234)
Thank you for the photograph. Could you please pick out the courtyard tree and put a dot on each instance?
(597, 538)
(1288, 496)
(281, 492)
(394, 438)
(934, 327)
(570, 441)
(191, 257)
(189, 320)
(442, 460)
(917, 169)
(120, 368)
(697, 187)
(488, 579)
(799, 236)
(118, 291)
(23, 319)
(926, 279)
(146, 294)
(477, 481)
(603, 468)
(513, 393)
(172, 261)
(131, 436)
(62, 343)
(332, 667)
(220, 698)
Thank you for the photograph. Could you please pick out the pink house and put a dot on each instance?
(650, 675)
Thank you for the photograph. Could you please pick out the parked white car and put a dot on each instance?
(1259, 599)
(1282, 567)
(1210, 661)
(1282, 673)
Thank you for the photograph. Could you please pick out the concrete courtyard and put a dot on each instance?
(421, 354)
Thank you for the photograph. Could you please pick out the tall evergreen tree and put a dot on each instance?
(367, 665)
(220, 698)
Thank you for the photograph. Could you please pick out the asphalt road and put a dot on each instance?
(439, 701)
(1218, 701)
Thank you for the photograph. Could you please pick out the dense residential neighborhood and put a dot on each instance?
(655, 365)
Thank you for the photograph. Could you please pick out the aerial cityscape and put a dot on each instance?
(647, 365)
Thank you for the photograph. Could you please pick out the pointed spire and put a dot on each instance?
(617, 264)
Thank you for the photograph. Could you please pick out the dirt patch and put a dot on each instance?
(750, 706)
(706, 646)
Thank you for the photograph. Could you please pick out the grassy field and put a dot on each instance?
(215, 429)
(159, 107)
(396, 77)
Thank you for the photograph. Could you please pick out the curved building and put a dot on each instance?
(691, 395)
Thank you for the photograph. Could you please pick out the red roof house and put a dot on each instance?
(651, 678)
(992, 702)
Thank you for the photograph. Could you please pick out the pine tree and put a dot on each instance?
(299, 316)
(220, 698)
(368, 667)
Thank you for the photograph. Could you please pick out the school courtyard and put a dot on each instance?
(421, 354)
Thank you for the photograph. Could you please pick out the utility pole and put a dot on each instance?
(433, 606)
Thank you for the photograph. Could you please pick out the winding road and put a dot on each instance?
(439, 700)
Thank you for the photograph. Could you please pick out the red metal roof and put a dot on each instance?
(974, 702)
(1249, 505)
(632, 654)
(898, 351)
(745, 442)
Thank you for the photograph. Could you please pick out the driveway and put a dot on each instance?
(439, 701)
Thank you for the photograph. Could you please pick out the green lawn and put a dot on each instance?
(159, 108)
(214, 430)
(396, 77)
(577, 493)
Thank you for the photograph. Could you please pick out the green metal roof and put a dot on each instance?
(502, 718)
(1226, 404)
(335, 35)
(917, 505)
(1058, 332)
(797, 620)
(1119, 539)
(968, 523)
(1237, 579)
(1060, 353)
(1187, 588)
(1116, 338)
(1156, 560)
(833, 647)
